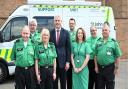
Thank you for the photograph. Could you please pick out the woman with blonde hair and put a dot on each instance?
(45, 61)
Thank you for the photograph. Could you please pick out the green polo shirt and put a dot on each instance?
(47, 55)
(23, 56)
(92, 43)
(107, 52)
(36, 37)
(72, 36)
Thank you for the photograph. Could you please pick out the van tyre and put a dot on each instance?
(3, 72)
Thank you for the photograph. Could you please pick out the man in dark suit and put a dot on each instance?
(60, 37)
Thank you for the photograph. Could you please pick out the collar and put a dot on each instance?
(57, 29)
(108, 40)
(35, 33)
(48, 45)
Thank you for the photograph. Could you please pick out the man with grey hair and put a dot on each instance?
(35, 35)
(92, 42)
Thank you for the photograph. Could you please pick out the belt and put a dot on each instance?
(27, 67)
(104, 66)
(46, 67)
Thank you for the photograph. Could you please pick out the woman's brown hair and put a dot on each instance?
(84, 36)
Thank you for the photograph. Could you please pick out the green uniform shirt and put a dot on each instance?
(23, 56)
(79, 50)
(92, 42)
(72, 36)
(45, 56)
(107, 52)
(36, 37)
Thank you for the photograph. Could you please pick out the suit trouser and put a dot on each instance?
(46, 77)
(69, 78)
(61, 74)
(106, 77)
(24, 78)
(92, 75)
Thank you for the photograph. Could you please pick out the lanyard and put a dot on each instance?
(78, 49)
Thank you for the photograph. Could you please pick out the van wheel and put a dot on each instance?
(3, 72)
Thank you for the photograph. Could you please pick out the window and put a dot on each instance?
(45, 21)
(6, 32)
(13, 29)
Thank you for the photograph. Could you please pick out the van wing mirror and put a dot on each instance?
(1, 36)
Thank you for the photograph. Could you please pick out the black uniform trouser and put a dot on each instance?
(69, 78)
(24, 78)
(106, 77)
(60, 73)
(92, 75)
(46, 78)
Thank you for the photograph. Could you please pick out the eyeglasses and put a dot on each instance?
(93, 30)
(32, 25)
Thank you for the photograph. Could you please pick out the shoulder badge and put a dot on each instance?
(113, 40)
(39, 43)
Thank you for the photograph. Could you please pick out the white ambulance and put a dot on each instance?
(85, 14)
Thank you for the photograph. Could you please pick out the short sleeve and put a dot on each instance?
(88, 49)
(118, 52)
(13, 54)
(54, 51)
(72, 47)
(36, 56)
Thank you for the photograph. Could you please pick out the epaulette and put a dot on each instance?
(18, 40)
(51, 43)
(39, 43)
(99, 38)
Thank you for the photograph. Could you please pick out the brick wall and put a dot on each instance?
(7, 7)
(122, 36)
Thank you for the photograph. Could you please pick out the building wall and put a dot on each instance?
(7, 7)
(119, 8)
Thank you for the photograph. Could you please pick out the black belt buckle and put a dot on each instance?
(102, 67)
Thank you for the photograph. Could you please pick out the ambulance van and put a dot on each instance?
(85, 14)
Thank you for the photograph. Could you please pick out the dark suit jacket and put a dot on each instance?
(63, 48)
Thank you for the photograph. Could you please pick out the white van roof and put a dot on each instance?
(53, 2)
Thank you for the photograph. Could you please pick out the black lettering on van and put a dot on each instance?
(74, 9)
(97, 23)
(45, 9)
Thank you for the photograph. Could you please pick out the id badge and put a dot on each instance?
(78, 61)
(108, 53)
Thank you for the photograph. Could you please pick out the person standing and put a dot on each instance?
(35, 34)
(72, 32)
(92, 42)
(23, 57)
(45, 61)
(79, 58)
(60, 37)
(107, 58)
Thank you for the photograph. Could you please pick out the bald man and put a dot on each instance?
(23, 57)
